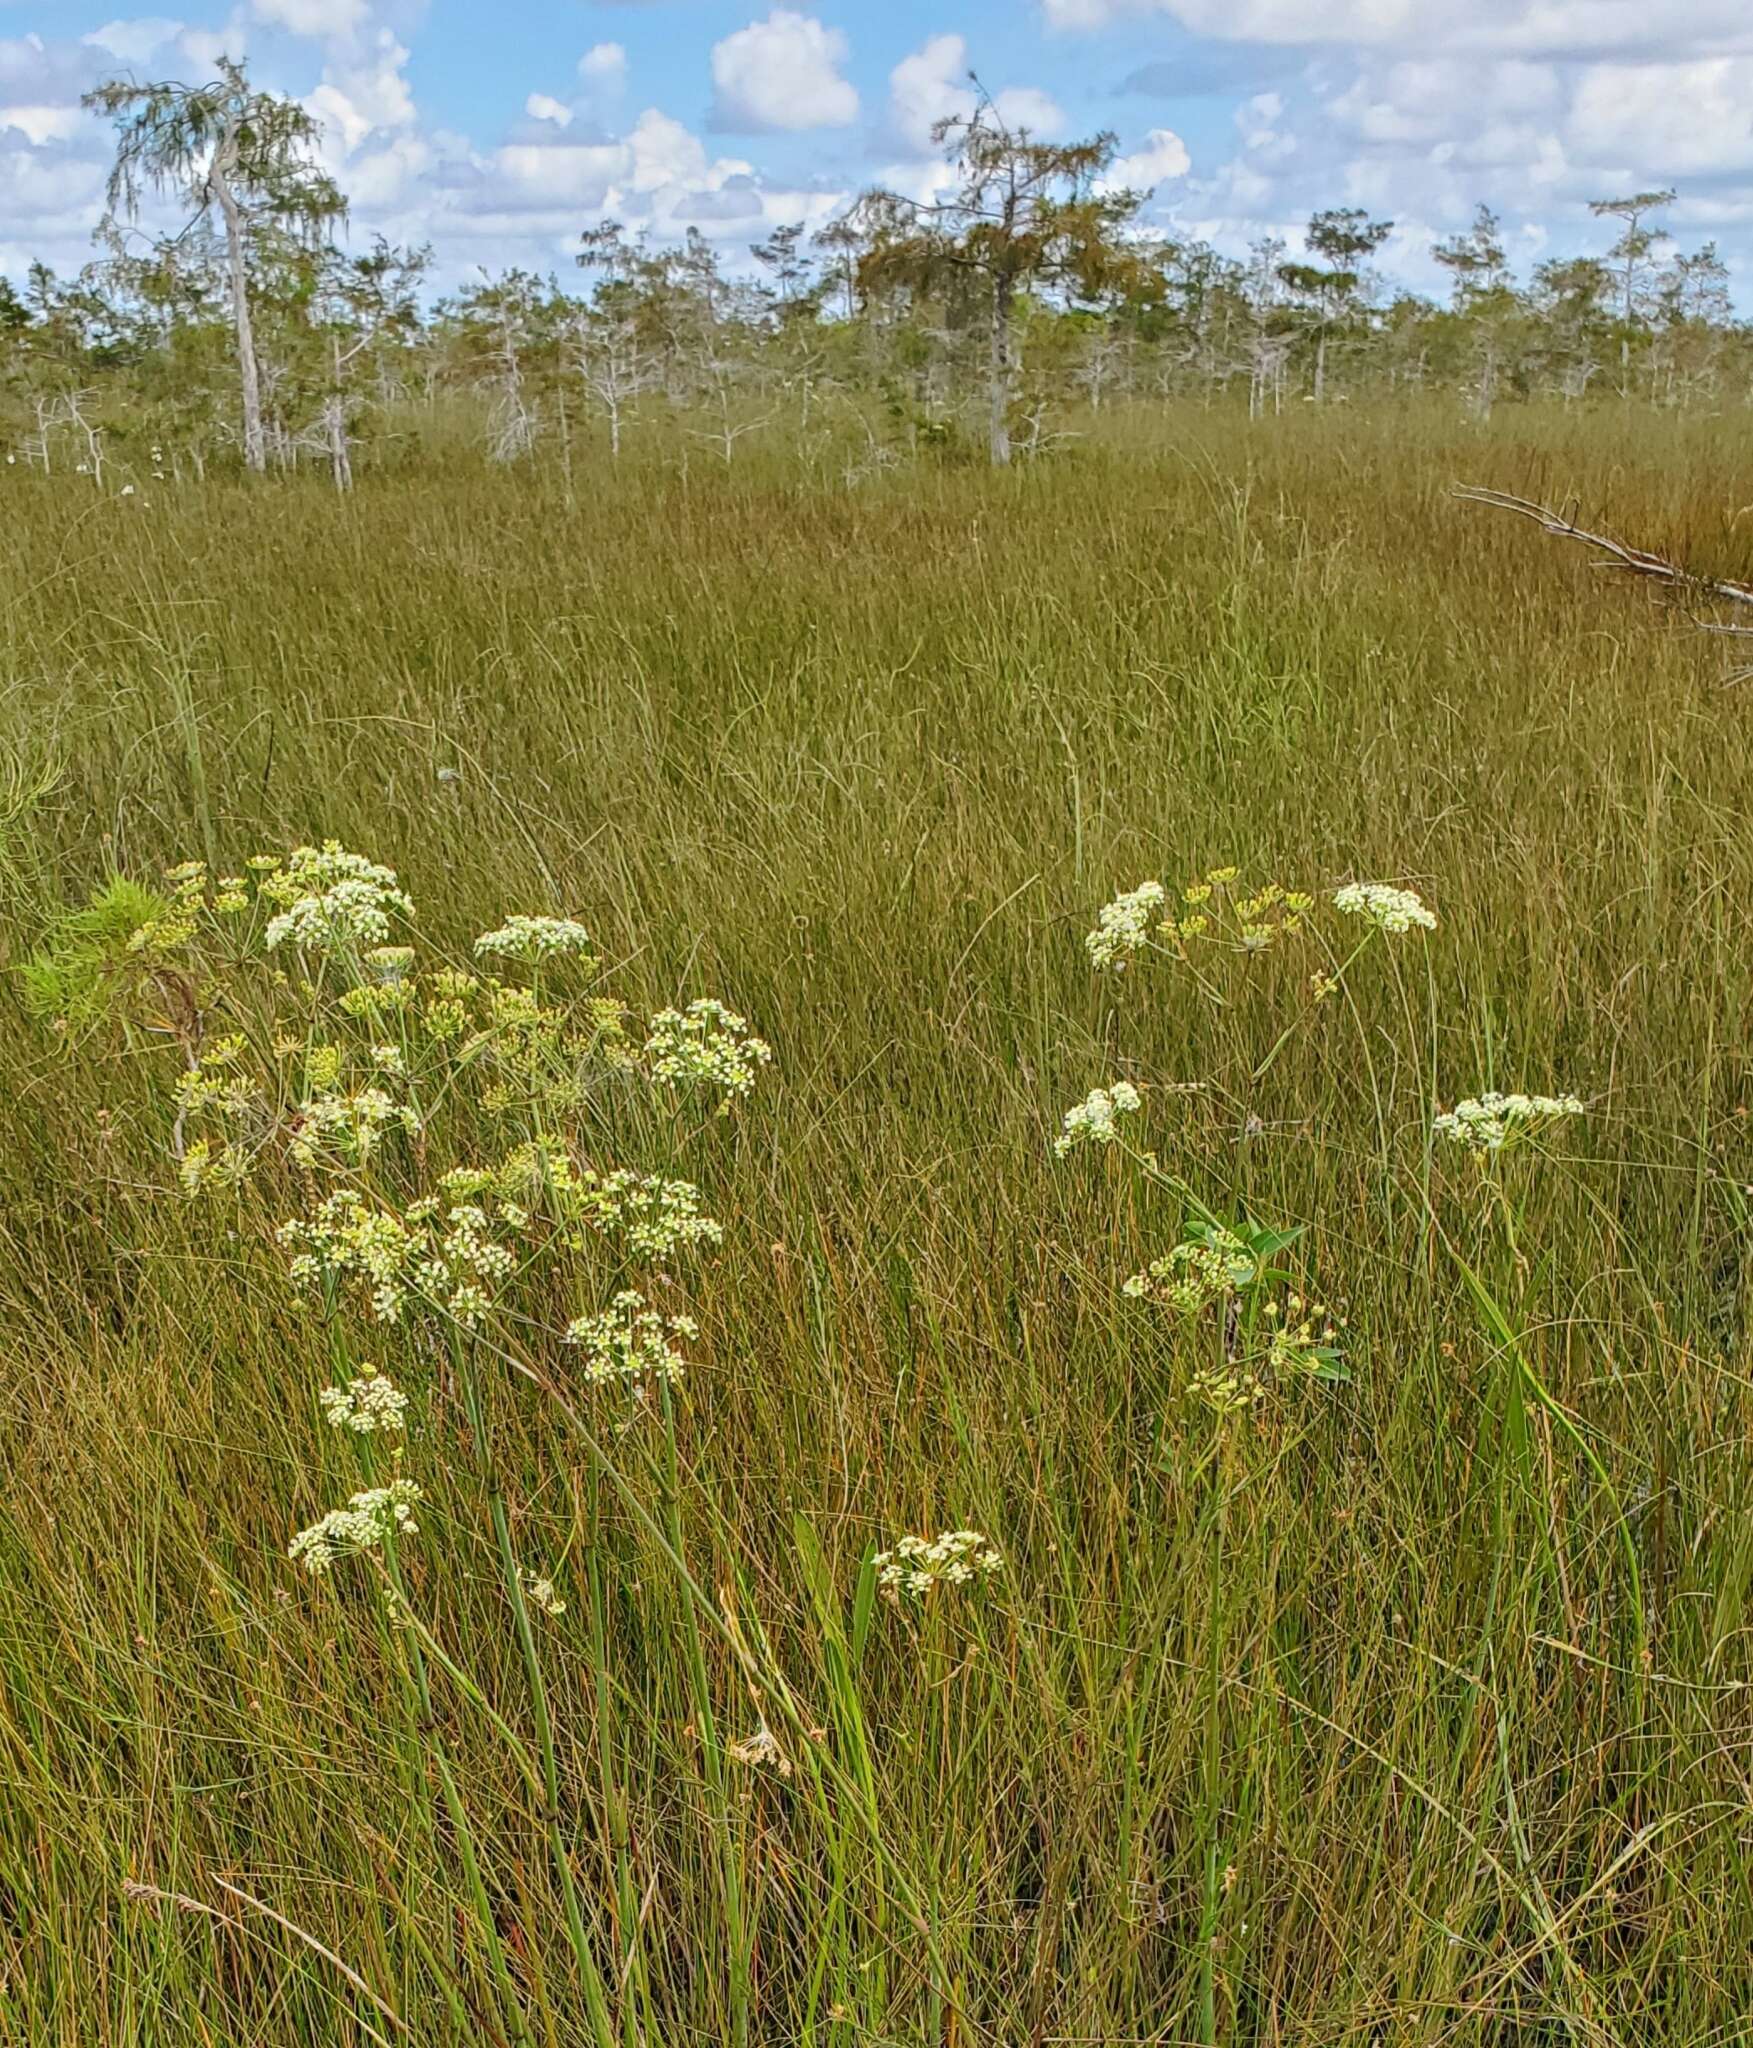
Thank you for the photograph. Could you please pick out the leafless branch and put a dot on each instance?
(1615, 554)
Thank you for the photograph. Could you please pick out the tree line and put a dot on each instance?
(991, 320)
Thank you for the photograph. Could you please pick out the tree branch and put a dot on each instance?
(1616, 555)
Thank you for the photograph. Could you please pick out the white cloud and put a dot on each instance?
(203, 47)
(921, 179)
(933, 85)
(602, 76)
(1577, 28)
(1027, 106)
(312, 17)
(930, 85)
(663, 152)
(389, 181)
(1256, 21)
(781, 73)
(133, 41)
(1257, 120)
(363, 92)
(1673, 120)
(1163, 157)
(603, 68)
(1419, 100)
(43, 124)
(571, 174)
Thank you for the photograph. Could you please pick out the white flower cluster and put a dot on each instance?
(349, 1127)
(705, 1045)
(346, 1237)
(394, 1256)
(366, 1407)
(918, 1563)
(367, 1521)
(1491, 1122)
(654, 1215)
(333, 901)
(631, 1341)
(1124, 924)
(534, 938)
(1093, 1121)
(468, 1255)
(1388, 909)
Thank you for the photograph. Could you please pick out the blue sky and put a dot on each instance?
(498, 131)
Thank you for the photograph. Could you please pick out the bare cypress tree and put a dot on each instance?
(1637, 243)
(221, 146)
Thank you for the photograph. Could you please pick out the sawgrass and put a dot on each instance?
(1414, 1710)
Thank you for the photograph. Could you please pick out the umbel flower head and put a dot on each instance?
(1094, 1120)
(706, 1046)
(919, 1564)
(365, 1406)
(1388, 909)
(760, 1751)
(534, 938)
(349, 1127)
(448, 1257)
(332, 901)
(1492, 1122)
(366, 1523)
(1193, 1274)
(1123, 925)
(631, 1341)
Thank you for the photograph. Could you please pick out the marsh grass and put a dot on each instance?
(1452, 1742)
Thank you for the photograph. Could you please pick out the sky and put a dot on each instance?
(497, 130)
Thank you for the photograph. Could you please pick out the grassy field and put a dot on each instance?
(1405, 1708)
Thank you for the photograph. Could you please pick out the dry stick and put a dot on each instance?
(1616, 555)
(134, 1889)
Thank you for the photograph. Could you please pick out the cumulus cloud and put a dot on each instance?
(602, 70)
(203, 47)
(1162, 158)
(133, 41)
(42, 124)
(364, 91)
(781, 73)
(1692, 120)
(932, 84)
(312, 17)
(1415, 101)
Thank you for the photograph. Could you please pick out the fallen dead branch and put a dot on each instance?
(1617, 557)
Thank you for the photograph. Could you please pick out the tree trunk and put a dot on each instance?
(1321, 366)
(255, 453)
(335, 424)
(340, 457)
(999, 374)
